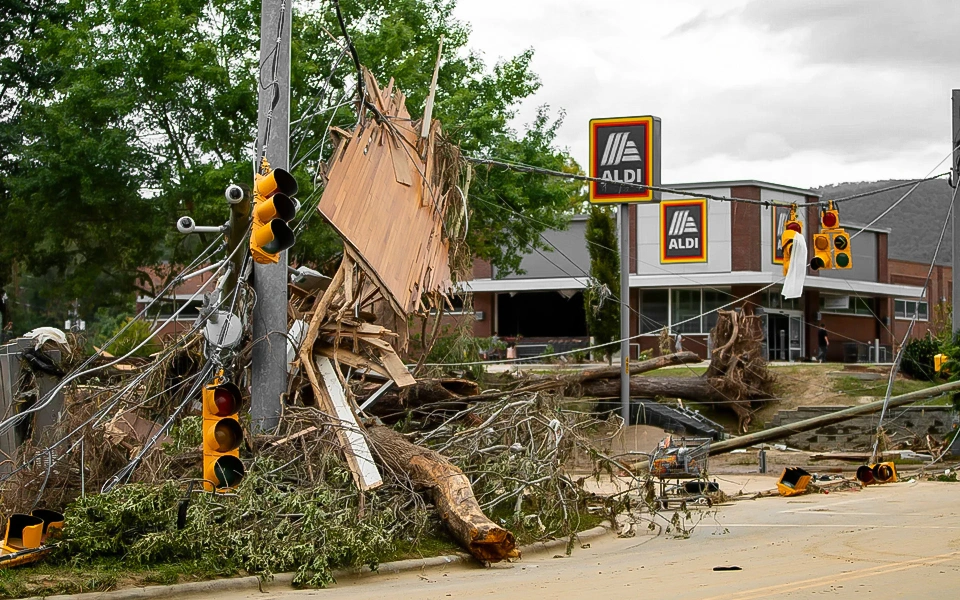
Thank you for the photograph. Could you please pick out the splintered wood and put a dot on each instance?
(389, 199)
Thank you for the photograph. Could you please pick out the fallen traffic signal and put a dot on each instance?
(273, 208)
(222, 437)
(885, 472)
(25, 537)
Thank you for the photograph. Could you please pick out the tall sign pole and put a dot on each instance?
(269, 371)
(624, 217)
(625, 154)
(955, 181)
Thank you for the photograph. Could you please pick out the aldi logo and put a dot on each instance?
(683, 231)
(624, 150)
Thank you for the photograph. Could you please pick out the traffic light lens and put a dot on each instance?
(829, 220)
(821, 243)
(816, 263)
(227, 435)
(793, 226)
(841, 242)
(225, 402)
(843, 260)
(228, 471)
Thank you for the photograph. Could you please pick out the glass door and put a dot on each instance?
(796, 337)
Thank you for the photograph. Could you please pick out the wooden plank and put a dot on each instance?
(356, 450)
(392, 363)
(351, 359)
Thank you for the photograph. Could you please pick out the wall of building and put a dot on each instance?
(939, 295)
(566, 256)
(719, 240)
(745, 226)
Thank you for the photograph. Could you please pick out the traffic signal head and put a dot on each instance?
(222, 436)
(274, 207)
(821, 252)
(791, 229)
(885, 472)
(841, 250)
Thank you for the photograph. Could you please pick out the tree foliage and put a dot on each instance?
(602, 308)
(119, 116)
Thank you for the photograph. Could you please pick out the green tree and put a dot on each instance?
(600, 302)
(130, 113)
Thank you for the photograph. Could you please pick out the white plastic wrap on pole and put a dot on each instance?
(793, 284)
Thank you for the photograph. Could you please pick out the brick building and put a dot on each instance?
(691, 256)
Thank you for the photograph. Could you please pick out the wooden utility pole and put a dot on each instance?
(269, 371)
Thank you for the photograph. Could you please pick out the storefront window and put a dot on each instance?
(654, 310)
(712, 299)
(907, 309)
(685, 311)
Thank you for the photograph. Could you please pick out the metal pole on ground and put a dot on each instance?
(624, 217)
(269, 370)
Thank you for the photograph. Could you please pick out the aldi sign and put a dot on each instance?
(624, 150)
(683, 231)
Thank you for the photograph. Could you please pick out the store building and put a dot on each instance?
(690, 256)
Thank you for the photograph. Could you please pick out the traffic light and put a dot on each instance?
(790, 229)
(831, 247)
(222, 436)
(273, 207)
(841, 250)
(822, 258)
(885, 472)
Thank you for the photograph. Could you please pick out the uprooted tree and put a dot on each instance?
(736, 378)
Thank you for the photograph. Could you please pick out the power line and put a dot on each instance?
(525, 168)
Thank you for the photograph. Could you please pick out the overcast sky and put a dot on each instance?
(798, 92)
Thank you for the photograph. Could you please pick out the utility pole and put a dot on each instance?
(269, 371)
(955, 181)
(624, 217)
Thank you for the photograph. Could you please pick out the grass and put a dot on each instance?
(682, 371)
(44, 579)
(852, 386)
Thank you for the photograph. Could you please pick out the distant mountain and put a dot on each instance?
(914, 225)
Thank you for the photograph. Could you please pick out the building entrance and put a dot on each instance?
(783, 332)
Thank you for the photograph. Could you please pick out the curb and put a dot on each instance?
(253, 583)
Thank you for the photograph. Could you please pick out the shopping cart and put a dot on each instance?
(675, 459)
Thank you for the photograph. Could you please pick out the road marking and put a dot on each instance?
(804, 584)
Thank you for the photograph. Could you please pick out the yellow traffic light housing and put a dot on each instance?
(222, 437)
(822, 258)
(885, 472)
(274, 207)
(841, 250)
(831, 247)
(791, 229)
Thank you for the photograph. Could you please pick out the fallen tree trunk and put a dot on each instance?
(696, 389)
(450, 491)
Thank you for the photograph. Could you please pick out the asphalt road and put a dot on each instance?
(894, 541)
